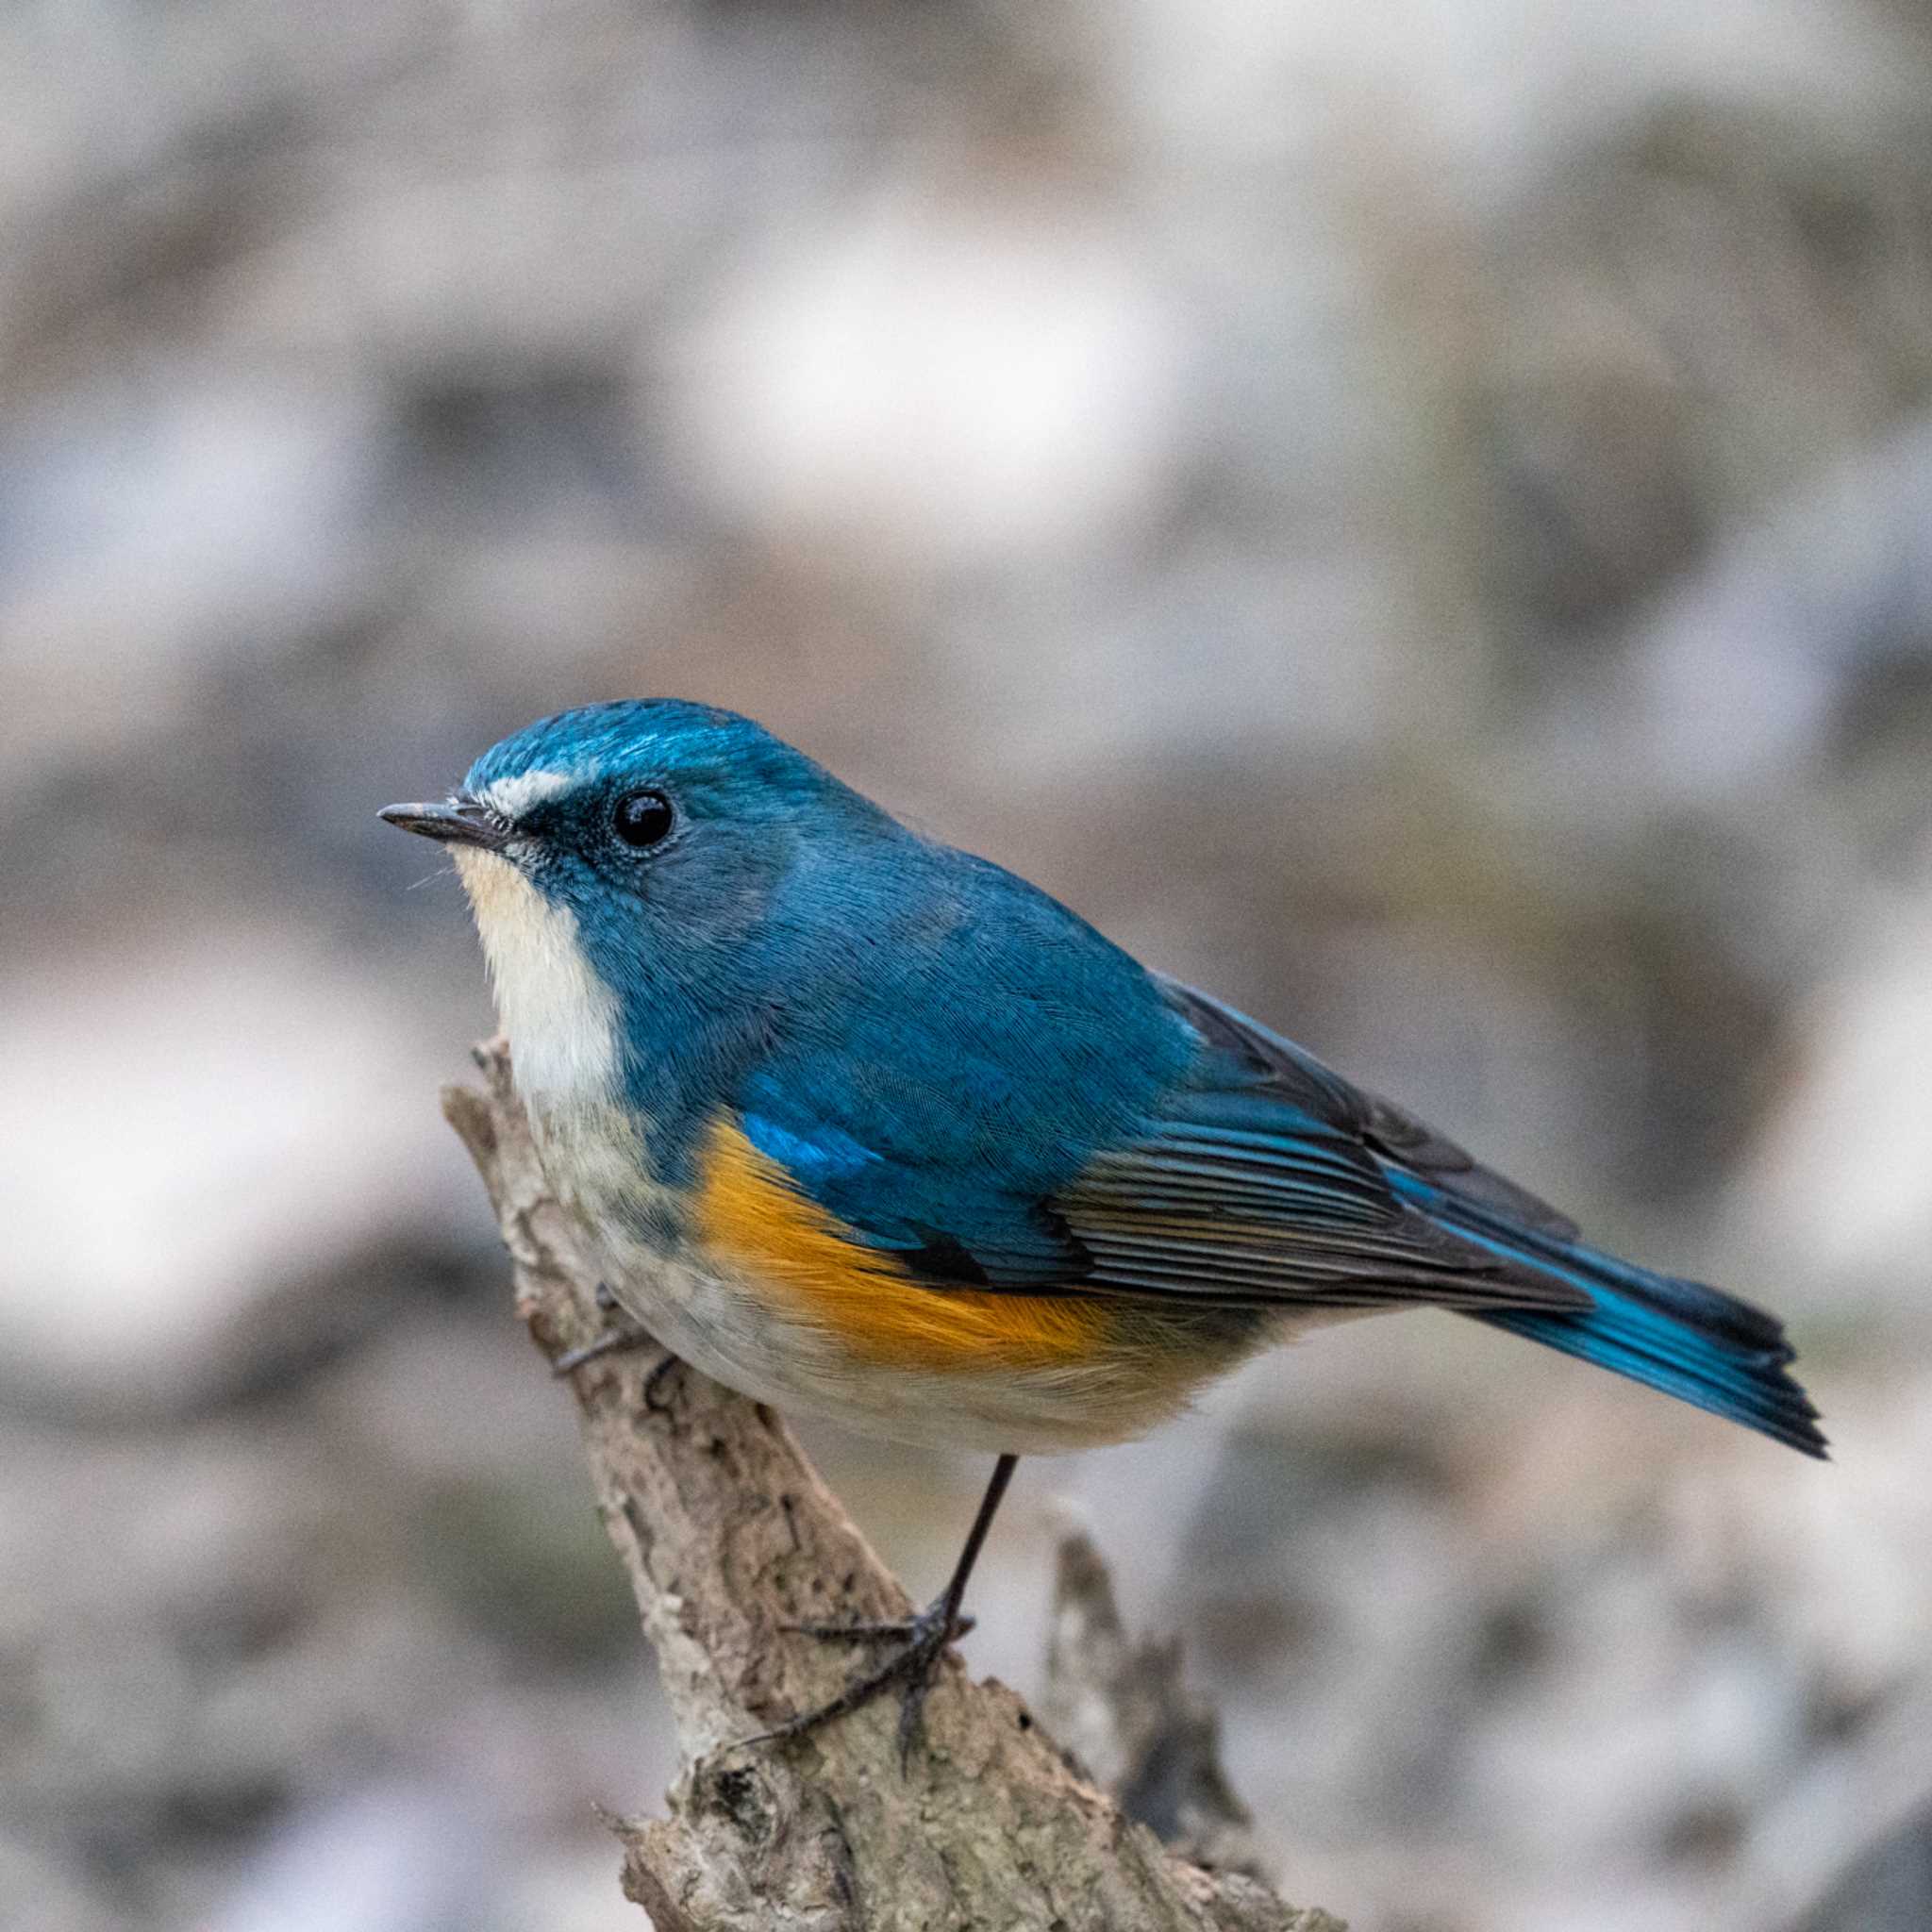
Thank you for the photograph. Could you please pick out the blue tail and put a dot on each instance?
(1691, 1342)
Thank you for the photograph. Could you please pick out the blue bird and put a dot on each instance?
(866, 1127)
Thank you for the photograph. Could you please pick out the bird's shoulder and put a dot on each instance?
(947, 1045)
(938, 1008)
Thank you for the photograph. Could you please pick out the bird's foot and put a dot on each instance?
(922, 1642)
(620, 1335)
(609, 1342)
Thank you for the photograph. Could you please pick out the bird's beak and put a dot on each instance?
(456, 822)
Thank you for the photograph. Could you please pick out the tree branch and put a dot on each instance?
(727, 1536)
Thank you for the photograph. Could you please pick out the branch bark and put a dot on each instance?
(727, 1536)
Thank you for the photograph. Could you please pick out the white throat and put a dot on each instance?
(560, 1017)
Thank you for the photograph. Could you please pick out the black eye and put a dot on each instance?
(642, 819)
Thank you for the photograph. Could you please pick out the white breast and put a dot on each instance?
(561, 1019)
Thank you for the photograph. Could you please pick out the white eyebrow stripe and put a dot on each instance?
(514, 796)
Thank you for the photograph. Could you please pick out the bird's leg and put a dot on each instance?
(617, 1337)
(922, 1639)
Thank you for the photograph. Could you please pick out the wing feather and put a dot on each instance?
(1259, 1179)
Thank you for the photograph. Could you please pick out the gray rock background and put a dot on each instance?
(1417, 517)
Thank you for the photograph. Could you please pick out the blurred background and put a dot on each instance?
(1417, 516)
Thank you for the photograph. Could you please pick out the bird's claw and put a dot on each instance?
(922, 1639)
(609, 1342)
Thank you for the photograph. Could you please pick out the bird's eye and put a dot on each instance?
(642, 818)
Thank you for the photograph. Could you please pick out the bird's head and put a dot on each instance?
(622, 861)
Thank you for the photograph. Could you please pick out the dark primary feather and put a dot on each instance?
(1290, 1212)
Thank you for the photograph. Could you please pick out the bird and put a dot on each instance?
(867, 1127)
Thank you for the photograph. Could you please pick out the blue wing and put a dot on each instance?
(1231, 1178)
(1246, 1175)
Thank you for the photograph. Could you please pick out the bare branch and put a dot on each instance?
(1122, 1709)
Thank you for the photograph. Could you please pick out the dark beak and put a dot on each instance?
(456, 821)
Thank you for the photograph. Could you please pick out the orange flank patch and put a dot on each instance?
(752, 1218)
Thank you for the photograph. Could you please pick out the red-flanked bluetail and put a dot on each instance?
(865, 1126)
